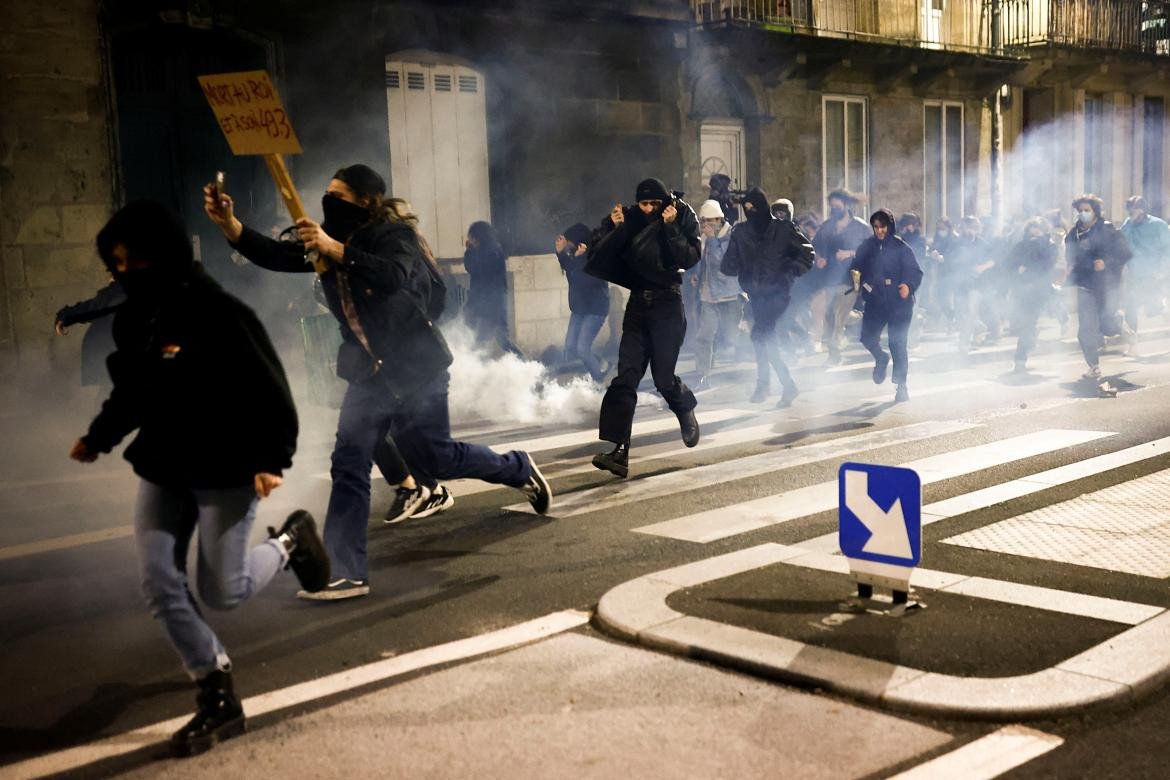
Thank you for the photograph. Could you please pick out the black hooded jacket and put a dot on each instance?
(397, 295)
(645, 253)
(884, 265)
(767, 254)
(194, 371)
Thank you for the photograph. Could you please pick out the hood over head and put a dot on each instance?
(886, 217)
(652, 189)
(783, 203)
(760, 214)
(577, 234)
(154, 236)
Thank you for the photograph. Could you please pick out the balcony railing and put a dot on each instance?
(1118, 25)
(926, 24)
(1127, 25)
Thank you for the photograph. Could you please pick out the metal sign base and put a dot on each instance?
(870, 574)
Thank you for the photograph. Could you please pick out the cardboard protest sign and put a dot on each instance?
(250, 113)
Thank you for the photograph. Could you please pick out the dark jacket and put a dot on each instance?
(767, 261)
(966, 255)
(645, 253)
(587, 294)
(884, 265)
(98, 341)
(487, 295)
(1102, 241)
(397, 295)
(1037, 258)
(830, 241)
(195, 373)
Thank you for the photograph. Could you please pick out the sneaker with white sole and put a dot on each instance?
(406, 503)
(537, 489)
(337, 590)
(439, 500)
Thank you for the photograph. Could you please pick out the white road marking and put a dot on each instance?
(976, 385)
(65, 542)
(986, 757)
(340, 682)
(748, 516)
(621, 492)
(1006, 491)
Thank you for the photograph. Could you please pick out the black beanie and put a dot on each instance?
(362, 179)
(577, 234)
(652, 189)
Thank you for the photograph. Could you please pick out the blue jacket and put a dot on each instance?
(1150, 242)
(719, 286)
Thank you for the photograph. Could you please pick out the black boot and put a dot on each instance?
(789, 395)
(219, 717)
(306, 551)
(688, 426)
(616, 462)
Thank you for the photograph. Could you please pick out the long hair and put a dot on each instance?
(484, 235)
(398, 211)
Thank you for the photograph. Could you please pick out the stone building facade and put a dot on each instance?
(922, 106)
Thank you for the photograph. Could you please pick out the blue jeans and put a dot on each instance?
(583, 330)
(421, 429)
(229, 573)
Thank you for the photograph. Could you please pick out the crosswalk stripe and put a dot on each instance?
(932, 390)
(619, 493)
(748, 516)
(665, 423)
(987, 757)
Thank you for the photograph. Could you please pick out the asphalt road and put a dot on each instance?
(81, 660)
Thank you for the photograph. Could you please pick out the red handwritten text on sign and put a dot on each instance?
(250, 113)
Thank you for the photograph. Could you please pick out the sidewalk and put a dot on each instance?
(741, 611)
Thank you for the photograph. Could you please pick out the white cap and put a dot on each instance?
(710, 210)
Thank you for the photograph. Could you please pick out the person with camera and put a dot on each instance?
(728, 199)
(887, 273)
(384, 288)
(195, 373)
(767, 254)
(645, 249)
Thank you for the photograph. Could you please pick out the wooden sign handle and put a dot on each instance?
(292, 200)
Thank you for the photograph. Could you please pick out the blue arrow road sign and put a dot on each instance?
(880, 513)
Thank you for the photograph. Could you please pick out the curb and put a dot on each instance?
(1116, 671)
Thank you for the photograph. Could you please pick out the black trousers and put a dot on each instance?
(652, 334)
(872, 322)
(767, 309)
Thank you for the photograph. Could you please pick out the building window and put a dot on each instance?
(1097, 140)
(942, 154)
(845, 145)
(438, 148)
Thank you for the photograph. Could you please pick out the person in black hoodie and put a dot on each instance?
(887, 273)
(383, 286)
(486, 311)
(645, 249)
(1096, 252)
(767, 254)
(588, 300)
(98, 342)
(196, 375)
(1030, 264)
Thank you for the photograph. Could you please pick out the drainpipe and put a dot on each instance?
(997, 122)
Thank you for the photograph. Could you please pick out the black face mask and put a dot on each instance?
(836, 213)
(342, 218)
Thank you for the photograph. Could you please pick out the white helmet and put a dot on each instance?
(710, 210)
(786, 203)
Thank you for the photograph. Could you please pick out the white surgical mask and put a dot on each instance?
(1085, 217)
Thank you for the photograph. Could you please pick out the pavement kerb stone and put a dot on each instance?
(1113, 672)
